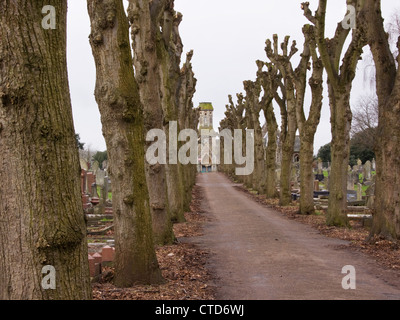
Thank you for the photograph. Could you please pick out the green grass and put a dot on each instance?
(99, 193)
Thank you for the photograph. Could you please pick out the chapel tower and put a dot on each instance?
(206, 163)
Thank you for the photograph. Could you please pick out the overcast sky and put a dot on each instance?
(227, 37)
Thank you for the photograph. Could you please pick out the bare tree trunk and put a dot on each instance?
(121, 111)
(253, 108)
(169, 51)
(287, 103)
(340, 152)
(270, 165)
(288, 140)
(340, 78)
(41, 214)
(269, 81)
(234, 120)
(308, 127)
(186, 88)
(146, 19)
(386, 221)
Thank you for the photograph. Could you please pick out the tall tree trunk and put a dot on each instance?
(269, 81)
(145, 17)
(287, 104)
(341, 117)
(386, 217)
(121, 112)
(186, 88)
(41, 214)
(253, 90)
(272, 146)
(288, 140)
(169, 51)
(306, 205)
(340, 78)
(308, 127)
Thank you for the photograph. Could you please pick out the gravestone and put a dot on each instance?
(95, 166)
(316, 185)
(359, 192)
(93, 191)
(351, 195)
(90, 179)
(84, 164)
(320, 169)
(370, 192)
(350, 179)
(367, 171)
(100, 175)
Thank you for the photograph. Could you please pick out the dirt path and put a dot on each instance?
(258, 254)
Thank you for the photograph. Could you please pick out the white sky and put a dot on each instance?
(227, 37)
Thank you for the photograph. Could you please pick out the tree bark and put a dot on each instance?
(41, 214)
(287, 103)
(117, 95)
(146, 17)
(386, 217)
(340, 78)
(186, 88)
(308, 127)
(253, 108)
(269, 81)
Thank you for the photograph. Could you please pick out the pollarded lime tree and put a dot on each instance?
(340, 79)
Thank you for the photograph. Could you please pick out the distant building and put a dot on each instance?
(206, 160)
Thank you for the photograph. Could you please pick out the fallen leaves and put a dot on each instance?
(385, 252)
(183, 267)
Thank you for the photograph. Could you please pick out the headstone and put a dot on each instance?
(367, 171)
(93, 191)
(359, 192)
(107, 254)
(90, 179)
(97, 257)
(351, 195)
(370, 192)
(95, 166)
(84, 164)
(92, 268)
(100, 175)
(373, 165)
(320, 170)
(350, 179)
(316, 185)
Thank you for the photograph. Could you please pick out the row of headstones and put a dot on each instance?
(90, 198)
(353, 174)
(354, 183)
(98, 260)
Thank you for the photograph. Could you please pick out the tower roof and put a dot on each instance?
(206, 106)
